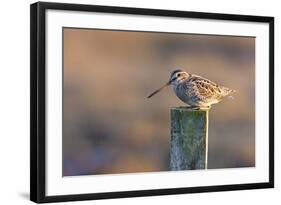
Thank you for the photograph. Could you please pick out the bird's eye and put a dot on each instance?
(178, 75)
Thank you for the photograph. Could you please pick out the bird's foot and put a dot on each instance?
(199, 107)
(194, 107)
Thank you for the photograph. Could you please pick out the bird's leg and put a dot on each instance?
(199, 107)
(194, 107)
(207, 107)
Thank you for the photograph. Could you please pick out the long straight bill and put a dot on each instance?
(158, 90)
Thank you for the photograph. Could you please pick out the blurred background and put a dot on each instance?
(110, 127)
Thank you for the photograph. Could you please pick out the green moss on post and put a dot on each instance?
(189, 138)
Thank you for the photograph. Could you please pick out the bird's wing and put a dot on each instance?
(204, 88)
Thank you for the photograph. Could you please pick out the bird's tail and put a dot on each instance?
(230, 92)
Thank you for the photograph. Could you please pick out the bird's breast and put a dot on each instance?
(182, 93)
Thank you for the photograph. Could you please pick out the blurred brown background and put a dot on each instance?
(110, 126)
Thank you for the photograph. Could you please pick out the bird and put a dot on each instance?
(195, 91)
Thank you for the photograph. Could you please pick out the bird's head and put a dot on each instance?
(176, 77)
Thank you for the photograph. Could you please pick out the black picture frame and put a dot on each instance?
(38, 101)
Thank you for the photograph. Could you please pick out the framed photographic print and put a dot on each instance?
(101, 128)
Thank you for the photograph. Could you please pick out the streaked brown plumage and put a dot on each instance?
(195, 90)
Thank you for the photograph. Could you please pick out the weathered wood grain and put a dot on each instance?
(189, 139)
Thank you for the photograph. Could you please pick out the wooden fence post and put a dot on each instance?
(189, 138)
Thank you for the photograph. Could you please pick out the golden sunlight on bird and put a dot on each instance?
(194, 90)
